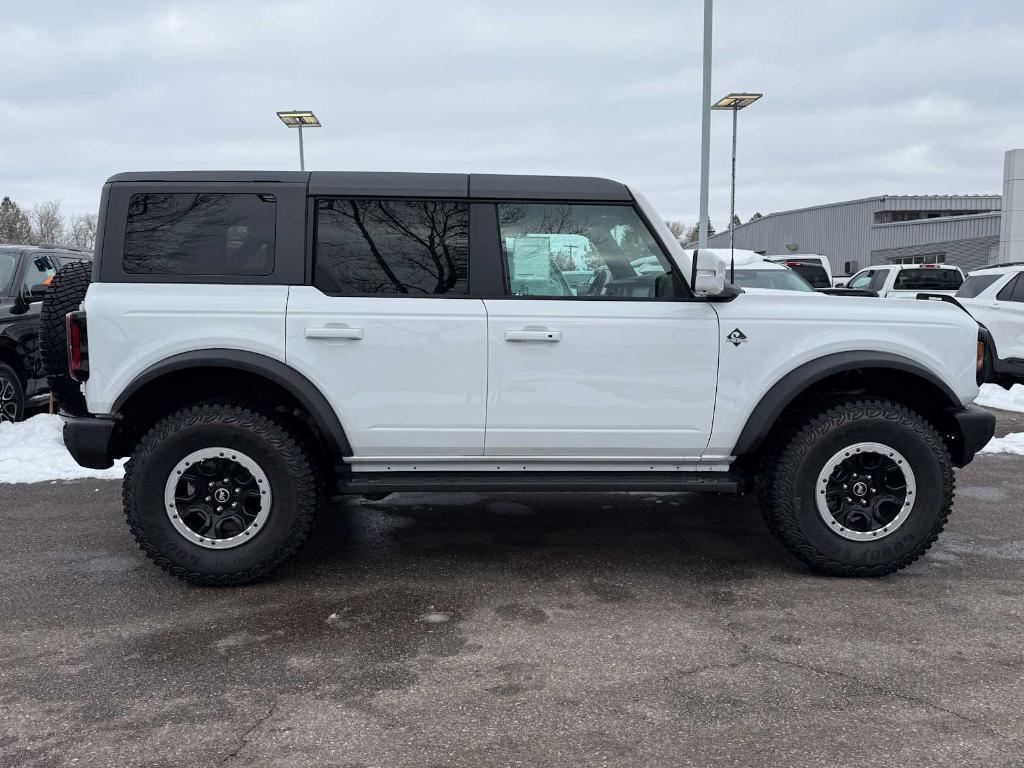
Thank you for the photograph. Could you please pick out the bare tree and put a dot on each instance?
(678, 229)
(47, 222)
(82, 232)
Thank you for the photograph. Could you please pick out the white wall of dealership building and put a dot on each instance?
(1011, 233)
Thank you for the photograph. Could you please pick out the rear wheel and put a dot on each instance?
(219, 494)
(65, 294)
(12, 395)
(861, 489)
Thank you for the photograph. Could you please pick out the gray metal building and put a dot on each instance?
(956, 229)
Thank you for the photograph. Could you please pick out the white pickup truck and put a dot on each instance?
(906, 281)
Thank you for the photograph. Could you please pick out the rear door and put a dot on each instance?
(1004, 317)
(388, 330)
(584, 359)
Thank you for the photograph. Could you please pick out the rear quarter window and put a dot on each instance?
(976, 285)
(204, 233)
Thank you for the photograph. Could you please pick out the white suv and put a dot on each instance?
(908, 281)
(256, 342)
(995, 297)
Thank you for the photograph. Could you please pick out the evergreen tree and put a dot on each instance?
(14, 224)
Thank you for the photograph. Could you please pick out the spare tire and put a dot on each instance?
(65, 294)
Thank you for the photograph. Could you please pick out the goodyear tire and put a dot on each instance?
(861, 489)
(65, 294)
(219, 494)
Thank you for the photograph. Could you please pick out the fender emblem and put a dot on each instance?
(736, 338)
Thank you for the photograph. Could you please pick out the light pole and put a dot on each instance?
(299, 118)
(734, 102)
(705, 129)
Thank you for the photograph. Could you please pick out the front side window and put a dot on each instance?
(1014, 291)
(38, 273)
(8, 263)
(579, 251)
(200, 234)
(392, 248)
(927, 279)
(862, 280)
(975, 285)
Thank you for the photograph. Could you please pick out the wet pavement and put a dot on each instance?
(514, 629)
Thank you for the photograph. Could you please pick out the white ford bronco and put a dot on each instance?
(256, 342)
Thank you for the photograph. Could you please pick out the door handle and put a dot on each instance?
(334, 333)
(541, 335)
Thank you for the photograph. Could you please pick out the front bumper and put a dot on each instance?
(88, 440)
(970, 429)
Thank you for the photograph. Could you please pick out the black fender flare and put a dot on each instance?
(301, 388)
(786, 389)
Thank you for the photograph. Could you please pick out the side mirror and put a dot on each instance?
(839, 285)
(707, 277)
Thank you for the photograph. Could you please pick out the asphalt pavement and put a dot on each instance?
(514, 630)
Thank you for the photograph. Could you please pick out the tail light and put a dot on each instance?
(78, 346)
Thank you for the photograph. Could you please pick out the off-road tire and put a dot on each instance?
(786, 487)
(9, 379)
(281, 454)
(65, 294)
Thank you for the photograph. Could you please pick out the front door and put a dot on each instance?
(387, 330)
(585, 361)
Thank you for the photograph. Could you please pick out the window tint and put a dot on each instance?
(878, 278)
(579, 251)
(926, 279)
(1018, 291)
(1006, 291)
(392, 248)
(976, 284)
(814, 274)
(8, 263)
(200, 234)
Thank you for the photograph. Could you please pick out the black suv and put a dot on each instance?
(25, 274)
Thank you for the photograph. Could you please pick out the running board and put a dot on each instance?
(593, 482)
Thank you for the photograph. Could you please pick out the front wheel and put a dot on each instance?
(12, 395)
(861, 489)
(218, 494)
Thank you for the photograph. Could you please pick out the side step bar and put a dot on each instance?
(593, 482)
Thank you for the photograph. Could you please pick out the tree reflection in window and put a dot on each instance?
(200, 234)
(389, 247)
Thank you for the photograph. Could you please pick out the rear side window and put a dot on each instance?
(392, 248)
(975, 285)
(927, 279)
(1013, 291)
(200, 234)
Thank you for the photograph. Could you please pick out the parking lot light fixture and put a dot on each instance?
(734, 102)
(300, 118)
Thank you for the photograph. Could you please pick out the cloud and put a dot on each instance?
(860, 98)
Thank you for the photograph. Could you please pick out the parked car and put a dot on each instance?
(25, 274)
(812, 267)
(752, 270)
(258, 341)
(995, 298)
(906, 281)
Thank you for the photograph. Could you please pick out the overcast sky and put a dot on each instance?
(863, 97)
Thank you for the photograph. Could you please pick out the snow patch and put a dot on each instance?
(33, 451)
(994, 396)
(1013, 443)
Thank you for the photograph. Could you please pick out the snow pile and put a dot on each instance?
(1012, 443)
(33, 451)
(994, 396)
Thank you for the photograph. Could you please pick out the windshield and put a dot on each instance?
(975, 285)
(928, 279)
(773, 279)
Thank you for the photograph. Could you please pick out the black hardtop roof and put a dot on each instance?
(359, 183)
